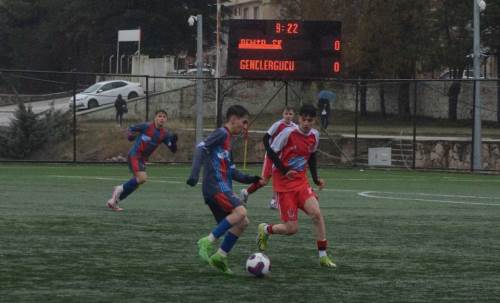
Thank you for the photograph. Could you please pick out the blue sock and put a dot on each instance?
(128, 188)
(229, 241)
(221, 229)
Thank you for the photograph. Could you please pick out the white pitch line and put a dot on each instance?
(369, 194)
(113, 179)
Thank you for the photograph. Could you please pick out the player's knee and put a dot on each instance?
(241, 212)
(292, 229)
(244, 223)
(316, 215)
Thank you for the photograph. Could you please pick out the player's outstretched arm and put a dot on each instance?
(273, 155)
(171, 142)
(314, 171)
(198, 158)
(135, 130)
(243, 178)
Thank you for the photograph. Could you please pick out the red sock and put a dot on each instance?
(322, 244)
(253, 187)
(270, 229)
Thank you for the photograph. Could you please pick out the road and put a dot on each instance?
(7, 112)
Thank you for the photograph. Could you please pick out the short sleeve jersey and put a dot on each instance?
(294, 148)
(277, 128)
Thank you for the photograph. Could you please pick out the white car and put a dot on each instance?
(106, 92)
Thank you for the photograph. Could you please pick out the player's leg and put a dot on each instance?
(273, 204)
(120, 192)
(312, 209)
(288, 206)
(219, 259)
(232, 220)
(265, 176)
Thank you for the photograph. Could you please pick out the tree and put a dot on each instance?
(80, 34)
(490, 23)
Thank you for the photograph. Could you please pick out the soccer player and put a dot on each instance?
(147, 136)
(292, 151)
(268, 138)
(218, 172)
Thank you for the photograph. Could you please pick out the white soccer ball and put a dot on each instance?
(258, 265)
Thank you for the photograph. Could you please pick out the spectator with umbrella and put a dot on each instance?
(324, 99)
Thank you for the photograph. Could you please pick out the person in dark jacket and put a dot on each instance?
(121, 108)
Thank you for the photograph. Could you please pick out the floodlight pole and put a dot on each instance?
(199, 80)
(476, 150)
(217, 64)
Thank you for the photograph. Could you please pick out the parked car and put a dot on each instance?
(106, 92)
(206, 72)
(466, 74)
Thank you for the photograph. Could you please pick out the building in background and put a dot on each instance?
(254, 9)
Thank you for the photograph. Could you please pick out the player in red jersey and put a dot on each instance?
(268, 138)
(147, 137)
(292, 151)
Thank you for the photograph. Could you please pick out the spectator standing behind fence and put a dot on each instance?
(324, 108)
(121, 108)
(325, 97)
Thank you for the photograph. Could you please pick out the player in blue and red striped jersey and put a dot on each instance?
(147, 136)
(268, 138)
(214, 153)
(292, 152)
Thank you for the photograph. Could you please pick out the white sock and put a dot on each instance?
(222, 253)
(265, 229)
(211, 237)
(322, 253)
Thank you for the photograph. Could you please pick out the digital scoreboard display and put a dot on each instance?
(284, 49)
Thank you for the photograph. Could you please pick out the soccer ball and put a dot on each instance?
(258, 265)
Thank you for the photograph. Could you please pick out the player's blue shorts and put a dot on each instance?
(222, 204)
(136, 164)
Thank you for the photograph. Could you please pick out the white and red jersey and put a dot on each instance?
(274, 131)
(277, 128)
(294, 149)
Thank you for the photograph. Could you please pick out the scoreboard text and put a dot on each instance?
(285, 49)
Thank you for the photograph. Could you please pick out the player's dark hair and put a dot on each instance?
(288, 109)
(307, 110)
(236, 110)
(161, 111)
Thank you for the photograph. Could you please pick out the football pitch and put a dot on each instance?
(396, 236)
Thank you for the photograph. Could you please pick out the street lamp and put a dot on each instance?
(479, 5)
(199, 74)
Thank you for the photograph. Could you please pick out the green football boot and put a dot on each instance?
(205, 249)
(325, 261)
(219, 262)
(262, 237)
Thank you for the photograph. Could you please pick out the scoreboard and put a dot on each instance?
(284, 49)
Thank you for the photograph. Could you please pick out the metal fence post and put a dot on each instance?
(147, 98)
(74, 116)
(286, 93)
(218, 104)
(356, 126)
(415, 88)
(473, 127)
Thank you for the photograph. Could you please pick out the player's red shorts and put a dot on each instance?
(289, 202)
(267, 168)
(136, 164)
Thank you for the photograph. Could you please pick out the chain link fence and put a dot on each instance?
(416, 124)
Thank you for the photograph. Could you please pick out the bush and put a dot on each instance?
(29, 132)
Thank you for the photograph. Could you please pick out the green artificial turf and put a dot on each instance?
(397, 236)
